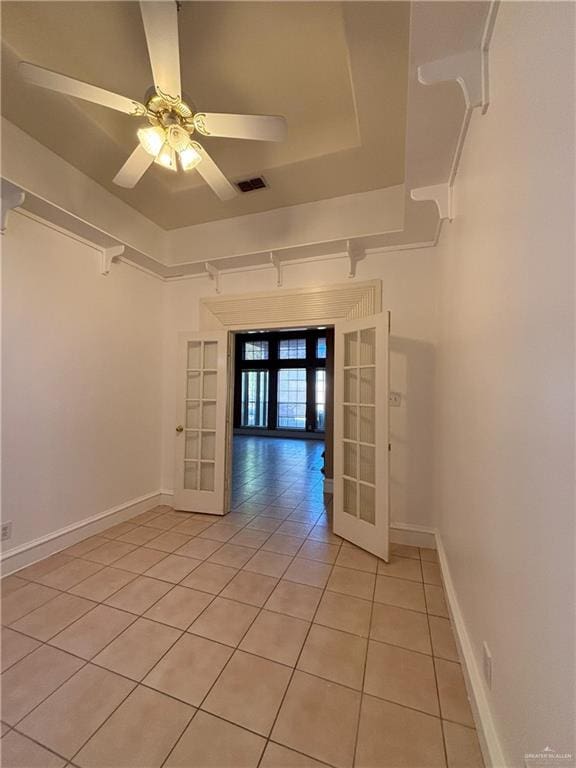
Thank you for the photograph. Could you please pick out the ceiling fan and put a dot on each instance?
(167, 139)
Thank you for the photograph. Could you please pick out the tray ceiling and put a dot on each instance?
(337, 71)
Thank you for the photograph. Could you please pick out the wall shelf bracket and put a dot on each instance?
(469, 69)
(276, 262)
(12, 197)
(107, 255)
(213, 274)
(441, 194)
(355, 254)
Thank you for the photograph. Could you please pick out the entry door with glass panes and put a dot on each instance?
(201, 422)
(361, 471)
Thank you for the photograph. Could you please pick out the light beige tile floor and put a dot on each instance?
(260, 640)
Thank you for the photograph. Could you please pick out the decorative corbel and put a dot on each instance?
(107, 255)
(213, 274)
(441, 194)
(355, 254)
(12, 197)
(469, 68)
(276, 262)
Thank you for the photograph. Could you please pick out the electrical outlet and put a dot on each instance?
(395, 399)
(487, 664)
(6, 530)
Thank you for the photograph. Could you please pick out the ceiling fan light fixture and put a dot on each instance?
(189, 157)
(167, 157)
(177, 137)
(152, 139)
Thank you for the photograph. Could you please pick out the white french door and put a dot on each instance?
(201, 439)
(361, 464)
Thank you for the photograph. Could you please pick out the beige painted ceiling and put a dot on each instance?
(336, 71)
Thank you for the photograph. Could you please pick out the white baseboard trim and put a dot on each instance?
(25, 554)
(415, 535)
(486, 728)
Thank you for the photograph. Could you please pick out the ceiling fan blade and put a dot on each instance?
(160, 19)
(134, 168)
(71, 87)
(255, 127)
(213, 176)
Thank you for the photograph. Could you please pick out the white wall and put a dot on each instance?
(505, 450)
(81, 381)
(409, 291)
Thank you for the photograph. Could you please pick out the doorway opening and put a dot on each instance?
(283, 421)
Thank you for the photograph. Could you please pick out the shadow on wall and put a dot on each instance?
(412, 373)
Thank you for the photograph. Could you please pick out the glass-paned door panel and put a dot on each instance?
(320, 386)
(202, 423)
(361, 478)
(254, 399)
(292, 398)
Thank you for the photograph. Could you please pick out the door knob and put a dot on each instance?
(179, 428)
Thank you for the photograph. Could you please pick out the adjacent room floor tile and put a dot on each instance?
(84, 546)
(405, 550)
(351, 582)
(334, 655)
(140, 535)
(40, 569)
(225, 621)
(249, 692)
(72, 714)
(210, 577)
(268, 563)
(119, 530)
(252, 588)
(276, 637)
(199, 549)
(350, 614)
(70, 574)
(138, 648)
(435, 601)
(103, 584)
(173, 568)
(25, 600)
(354, 557)
(34, 678)
(142, 559)
(209, 742)
(277, 756)
(319, 550)
(219, 532)
(231, 555)
(15, 646)
(89, 635)
(108, 553)
(250, 538)
(431, 573)
(310, 572)
(179, 607)
(428, 555)
(400, 592)
(139, 595)
(399, 626)
(263, 523)
(140, 733)
(401, 568)
(452, 691)
(189, 669)
(391, 736)
(169, 541)
(294, 599)
(12, 584)
(402, 676)
(319, 718)
(443, 641)
(282, 544)
(46, 621)
(20, 752)
(462, 746)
